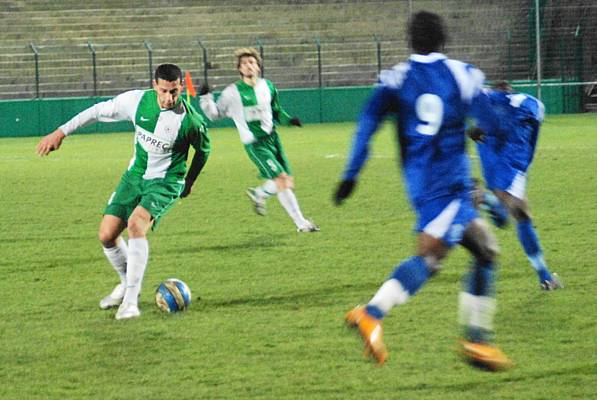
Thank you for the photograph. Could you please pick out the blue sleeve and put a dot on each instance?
(534, 112)
(486, 118)
(378, 105)
(533, 108)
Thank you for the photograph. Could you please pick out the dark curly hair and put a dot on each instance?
(426, 32)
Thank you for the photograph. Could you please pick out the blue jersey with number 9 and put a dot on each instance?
(431, 96)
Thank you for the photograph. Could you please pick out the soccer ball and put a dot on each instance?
(173, 295)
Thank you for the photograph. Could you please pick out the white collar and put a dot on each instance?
(427, 58)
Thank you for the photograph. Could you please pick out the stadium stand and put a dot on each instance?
(495, 37)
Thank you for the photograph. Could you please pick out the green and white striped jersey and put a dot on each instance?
(254, 110)
(162, 137)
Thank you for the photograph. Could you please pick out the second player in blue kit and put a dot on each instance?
(431, 96)
(505, 160)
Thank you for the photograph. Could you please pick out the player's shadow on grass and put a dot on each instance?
(320, 296)
(508, 376)
(251, 243)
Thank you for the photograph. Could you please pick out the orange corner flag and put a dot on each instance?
(189, 84)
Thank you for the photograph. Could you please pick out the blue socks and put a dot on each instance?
(412, 274)
(374, 311)
(479, 281)
(530, 243)
(404, 282)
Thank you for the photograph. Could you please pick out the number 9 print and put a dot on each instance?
(430, 110)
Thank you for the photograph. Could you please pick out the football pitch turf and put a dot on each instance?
(269, 321)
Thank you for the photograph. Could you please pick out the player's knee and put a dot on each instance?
(136, 227)
(107, 238)
(433, 264)
(283, 181)
(489, 252)
(520, 213)
(488, 248)
(518, 208)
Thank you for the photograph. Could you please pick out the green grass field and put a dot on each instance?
(269, 324)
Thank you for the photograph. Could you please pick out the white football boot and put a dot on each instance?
(308, 227)
(127, 311)
(258, 201)
(113, 299)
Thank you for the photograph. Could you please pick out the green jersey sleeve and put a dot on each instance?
(120, 108)
(279, 114)
(198, 134)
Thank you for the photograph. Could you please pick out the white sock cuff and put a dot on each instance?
(117, 256)
(137, 241)
(390, 294)
(465, 305)
(269, 187)
(481, 310)
(111, 251)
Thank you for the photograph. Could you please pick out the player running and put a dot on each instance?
(165, 127)
(254, 106)
(505, 160)
(431, 95)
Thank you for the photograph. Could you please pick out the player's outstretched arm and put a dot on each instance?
(120, 108)
(212, 109)
(50, 142)
(372, 115)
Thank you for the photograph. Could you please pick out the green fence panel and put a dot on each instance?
(557, 99)
(302, 103)
(55, 112)
(19, 118)
(343, 104)
(573, 96)
(551, 96)
(38, 117)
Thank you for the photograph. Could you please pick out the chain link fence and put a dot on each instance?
(70, 50)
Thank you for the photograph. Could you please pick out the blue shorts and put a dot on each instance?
(446, 218)
(500, 174)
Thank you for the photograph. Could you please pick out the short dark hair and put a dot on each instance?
(502, 86)
(168, 72)
(426, 32)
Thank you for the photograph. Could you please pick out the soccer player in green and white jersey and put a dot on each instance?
(254, 106)
(165, 127)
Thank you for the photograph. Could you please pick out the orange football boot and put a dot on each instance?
(371, 331)
(485, 355)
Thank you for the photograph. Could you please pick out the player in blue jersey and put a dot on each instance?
(505, 160)
(431, 95)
